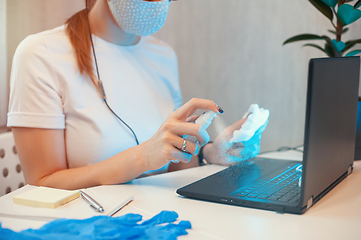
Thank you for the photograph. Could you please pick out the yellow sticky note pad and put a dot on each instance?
(45, 197)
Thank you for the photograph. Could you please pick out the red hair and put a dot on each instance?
(78, 32)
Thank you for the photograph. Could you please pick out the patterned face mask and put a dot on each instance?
(139, 17)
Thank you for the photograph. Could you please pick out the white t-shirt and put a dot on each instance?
(47, 91)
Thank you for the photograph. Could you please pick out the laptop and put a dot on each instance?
(329, 147)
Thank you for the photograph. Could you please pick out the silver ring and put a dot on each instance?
(184, 145)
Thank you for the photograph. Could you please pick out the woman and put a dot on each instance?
(69, 84)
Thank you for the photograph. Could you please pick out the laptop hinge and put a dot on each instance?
(349, 170)
(309, 202)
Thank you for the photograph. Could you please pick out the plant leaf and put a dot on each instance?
(315, 46)
(343, 31)
(346, 14)
(350, 44)
(338, 45)
(353, 53)
(330, 3)
(357, 4)
(323, 8)
(329, 50)
(303, 37)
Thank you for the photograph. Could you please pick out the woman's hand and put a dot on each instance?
(167, 142)
(225, 153)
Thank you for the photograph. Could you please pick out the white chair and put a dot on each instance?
(11, 175)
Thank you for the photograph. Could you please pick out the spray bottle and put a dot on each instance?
(204, 121)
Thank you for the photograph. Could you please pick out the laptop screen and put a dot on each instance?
(330, 122)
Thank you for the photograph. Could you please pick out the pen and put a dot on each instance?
(91, 202)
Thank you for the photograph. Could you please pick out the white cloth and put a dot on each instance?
(47, 91)
(257, 117)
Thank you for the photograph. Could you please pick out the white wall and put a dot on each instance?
(231, 52)
(3, 66)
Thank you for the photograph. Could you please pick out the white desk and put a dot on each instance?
(336, 216)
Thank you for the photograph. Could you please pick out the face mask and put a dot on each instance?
(139, 17)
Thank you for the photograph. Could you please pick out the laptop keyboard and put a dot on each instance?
(283, 187)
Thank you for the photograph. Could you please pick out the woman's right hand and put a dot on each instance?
(167, 142)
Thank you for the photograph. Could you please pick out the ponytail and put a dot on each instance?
(78, 32)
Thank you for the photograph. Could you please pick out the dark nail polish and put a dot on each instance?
(220, 110)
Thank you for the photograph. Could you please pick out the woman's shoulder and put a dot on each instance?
(53, 39)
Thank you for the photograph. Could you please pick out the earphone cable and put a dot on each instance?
(98, 75)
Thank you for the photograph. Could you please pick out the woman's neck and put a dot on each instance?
(103, 25)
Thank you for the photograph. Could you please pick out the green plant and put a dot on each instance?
(345, 14)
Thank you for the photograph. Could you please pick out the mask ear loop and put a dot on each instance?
(100, 83)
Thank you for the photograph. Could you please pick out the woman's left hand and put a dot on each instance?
(221, 151)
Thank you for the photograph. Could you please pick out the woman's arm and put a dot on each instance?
(42, 153)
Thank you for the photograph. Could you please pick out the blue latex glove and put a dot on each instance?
(160, 226)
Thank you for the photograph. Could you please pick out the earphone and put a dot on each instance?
(100, 83)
